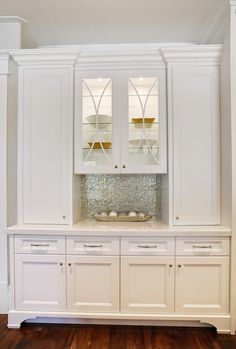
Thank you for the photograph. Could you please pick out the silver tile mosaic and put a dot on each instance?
(122, 193)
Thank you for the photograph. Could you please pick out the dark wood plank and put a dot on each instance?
(43, 336)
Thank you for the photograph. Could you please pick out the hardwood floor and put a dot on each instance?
(32, 336)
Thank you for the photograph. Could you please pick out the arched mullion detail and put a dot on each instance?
(143, 107)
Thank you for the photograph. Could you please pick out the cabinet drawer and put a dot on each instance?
(88, 245)
(147, 246)
(202, 246)
(39, 244)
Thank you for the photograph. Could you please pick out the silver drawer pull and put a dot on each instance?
(93, 246)
(39, 245)
(202, 246)
(147, 246)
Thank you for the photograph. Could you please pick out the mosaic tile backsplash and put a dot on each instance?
(122, 193)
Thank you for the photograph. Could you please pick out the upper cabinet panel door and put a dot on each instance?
(45, 118)
(196, 151)
(143, 138)
(96, 122)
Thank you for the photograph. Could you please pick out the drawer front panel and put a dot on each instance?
(93, 245)
(40, 244)
(203, 246)
(147, 246)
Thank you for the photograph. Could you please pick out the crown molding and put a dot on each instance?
(44, 56)
(120, 58)
(4, 62)
(192, 54)
(12, 19)
(214, 21)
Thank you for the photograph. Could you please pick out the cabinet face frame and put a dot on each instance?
(114, 166)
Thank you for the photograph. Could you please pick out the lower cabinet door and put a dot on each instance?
(40, 282)
(147, 284)
(93, 283)
(202, 285)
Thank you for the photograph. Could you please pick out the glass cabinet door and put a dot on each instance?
(97, 142)
(144, 136)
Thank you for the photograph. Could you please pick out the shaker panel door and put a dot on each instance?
(196, 145)
(40, 282)
(45, 125)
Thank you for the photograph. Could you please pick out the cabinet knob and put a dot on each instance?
(170, 265)
(179, 265)
(61, 264)
(64, 217)
(177, 218)
(69, 264)
(116, 166)
(123, 166)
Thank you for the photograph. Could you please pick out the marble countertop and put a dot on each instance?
(92, 227)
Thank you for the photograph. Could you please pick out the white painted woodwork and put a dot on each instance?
(208, 246)
(225, 132)
(202, 285)
(145, 163)
(147, 246)
(89, 245)
(126, 21)
(44, 138)
(40, 282)
(10, 35)
(3, 182)
(40, 244)
(147, 284)
(232, 91)
(118, 288)
(118, 159)
(93, 283)
(196, 145)
(12, 144)
(111, 161)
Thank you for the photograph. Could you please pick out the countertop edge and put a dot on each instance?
(96, 229)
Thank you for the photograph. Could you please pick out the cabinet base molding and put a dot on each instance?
(221, 322)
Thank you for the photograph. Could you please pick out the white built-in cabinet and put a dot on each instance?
(45, 129)
(93, 283)
(40, 273)
(40, 282)
(190, 276)
(45, 145)
(120, 277)
(147, 284)
(93, 274)
(120, 126)
(195, 144)
(120, 121)
(202, 285)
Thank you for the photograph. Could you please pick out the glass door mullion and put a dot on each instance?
(95, 114)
